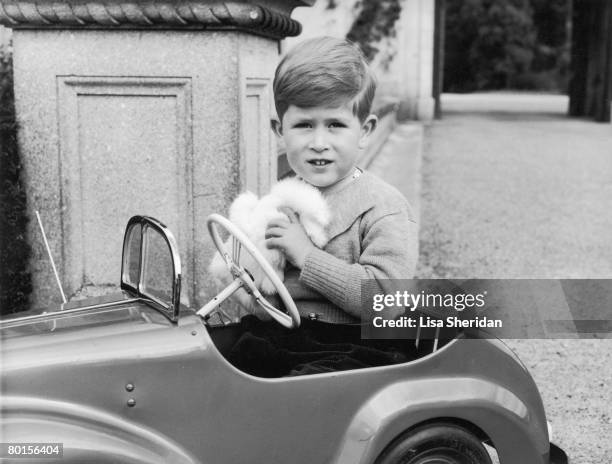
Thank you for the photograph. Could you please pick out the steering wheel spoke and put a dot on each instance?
(236, 249)
(223, 295)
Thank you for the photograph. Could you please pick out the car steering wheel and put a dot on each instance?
(242, 278)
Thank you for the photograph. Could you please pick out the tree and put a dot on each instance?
(552, 24)
(489, 43)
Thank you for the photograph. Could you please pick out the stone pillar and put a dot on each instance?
(159, 108)
(414, 61)
(590, 87)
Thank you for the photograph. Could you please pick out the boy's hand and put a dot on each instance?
(289, 236)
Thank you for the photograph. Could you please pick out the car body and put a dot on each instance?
(135, 378)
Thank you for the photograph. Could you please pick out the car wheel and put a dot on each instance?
(435, 444)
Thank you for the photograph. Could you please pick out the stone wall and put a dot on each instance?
(160, 110)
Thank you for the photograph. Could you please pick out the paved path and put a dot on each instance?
(513, 188)
(399, 161)
(530, 187)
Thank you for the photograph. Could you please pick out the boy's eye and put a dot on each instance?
(337, 124)
(302, 125)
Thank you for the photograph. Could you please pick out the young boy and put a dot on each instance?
(323, 91)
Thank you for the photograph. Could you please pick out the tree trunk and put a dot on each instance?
(590, 88)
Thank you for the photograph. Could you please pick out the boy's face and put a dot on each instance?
(323, 143)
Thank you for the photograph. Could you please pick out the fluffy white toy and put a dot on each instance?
(252, 215)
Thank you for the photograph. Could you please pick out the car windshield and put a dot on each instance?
(157, 268)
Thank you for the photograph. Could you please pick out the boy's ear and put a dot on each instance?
(368, 126)
(277, 127)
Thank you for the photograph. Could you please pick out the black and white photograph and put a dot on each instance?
(306, 231)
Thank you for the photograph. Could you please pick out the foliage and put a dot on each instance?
(549, 17)
(490, 41)
(552, 52)
(15, 283)
(501, 44)
(375, 22)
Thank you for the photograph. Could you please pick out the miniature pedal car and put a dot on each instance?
(141, 379)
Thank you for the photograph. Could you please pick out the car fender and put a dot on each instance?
(87, 434)
(517, 435)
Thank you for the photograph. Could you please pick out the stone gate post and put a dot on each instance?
(414, 63)
(126, 107)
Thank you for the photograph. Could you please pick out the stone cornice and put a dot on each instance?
(202, 14)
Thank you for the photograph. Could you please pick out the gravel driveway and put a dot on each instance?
(512, 188)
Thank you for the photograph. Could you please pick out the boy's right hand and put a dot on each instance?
(288, 235)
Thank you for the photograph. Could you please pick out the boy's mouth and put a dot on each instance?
(319, 162)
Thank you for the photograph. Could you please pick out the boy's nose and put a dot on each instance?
(319, 141)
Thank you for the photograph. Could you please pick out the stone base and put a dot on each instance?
(171, 124)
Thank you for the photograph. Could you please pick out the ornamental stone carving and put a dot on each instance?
(257, 18)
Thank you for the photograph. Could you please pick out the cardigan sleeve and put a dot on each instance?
(388, 251)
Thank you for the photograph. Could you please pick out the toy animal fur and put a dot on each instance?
(252, 215)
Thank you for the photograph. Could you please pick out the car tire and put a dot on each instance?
(442, 443)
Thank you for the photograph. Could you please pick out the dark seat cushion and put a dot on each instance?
(266, 349)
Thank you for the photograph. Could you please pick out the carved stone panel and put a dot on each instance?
(125, 148)
(258, 153)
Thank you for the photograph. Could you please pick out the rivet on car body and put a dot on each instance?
(129, 387)
(194, 333)
(131, 402)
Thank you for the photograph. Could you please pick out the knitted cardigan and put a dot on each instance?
(373, 235)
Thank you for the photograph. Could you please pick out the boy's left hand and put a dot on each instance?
(289, 236)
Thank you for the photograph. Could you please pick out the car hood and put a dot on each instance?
(110, 329)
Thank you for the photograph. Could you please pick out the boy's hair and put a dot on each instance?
(324, 71)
